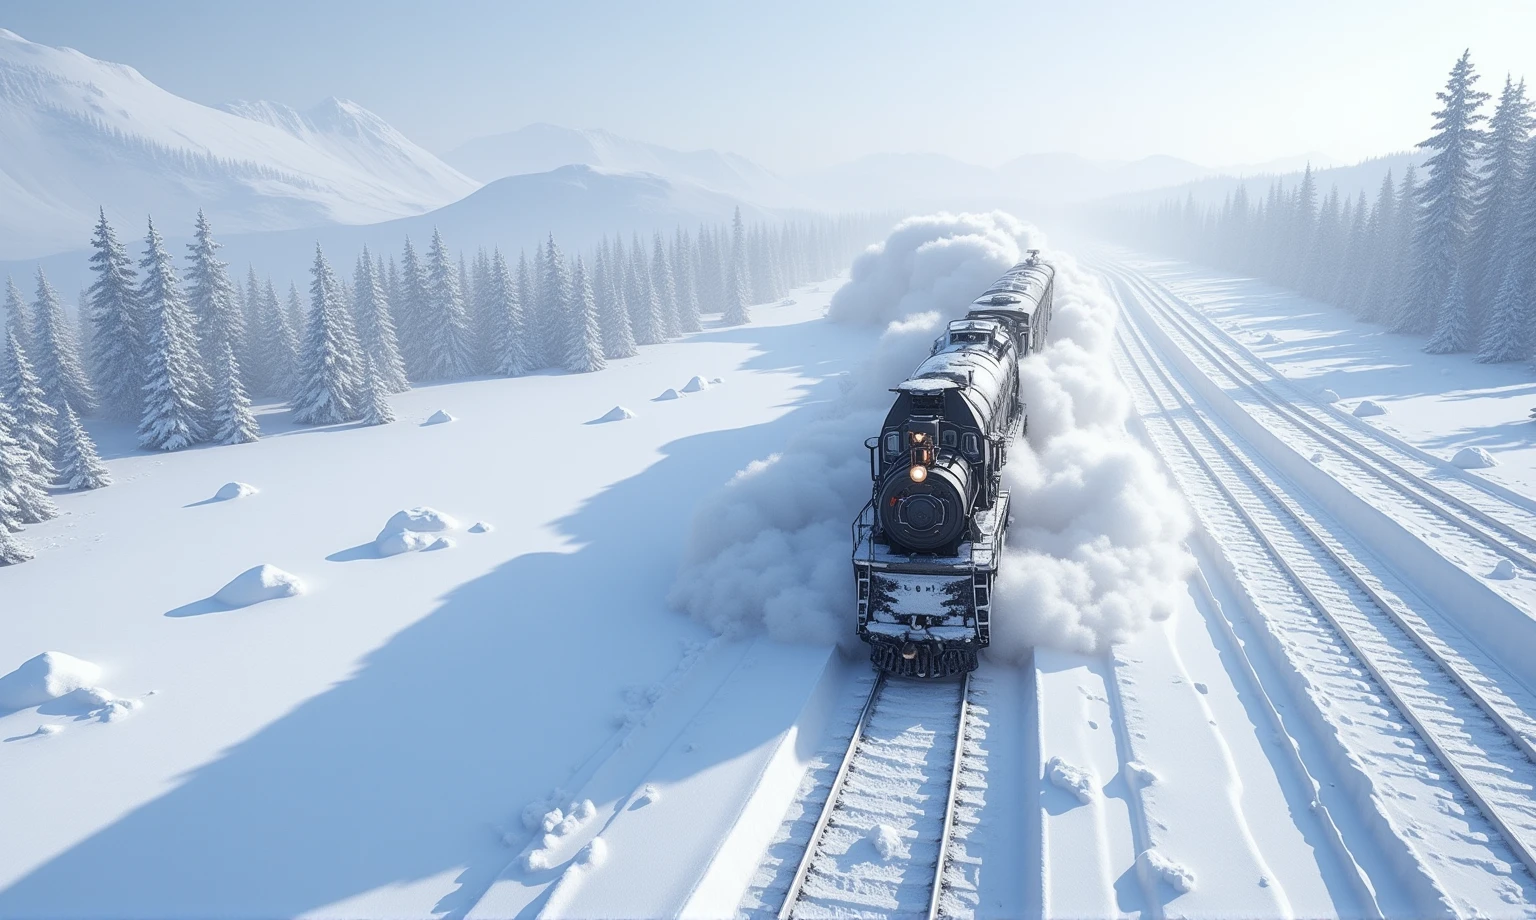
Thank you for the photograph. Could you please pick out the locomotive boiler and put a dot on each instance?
(927, 544)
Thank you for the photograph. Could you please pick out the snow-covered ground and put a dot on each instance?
(368, 746)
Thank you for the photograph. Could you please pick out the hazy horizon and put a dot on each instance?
(801, 87)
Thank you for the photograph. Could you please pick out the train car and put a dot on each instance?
(927, 544)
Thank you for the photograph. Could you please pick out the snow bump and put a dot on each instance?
(616, 414)
(1072, 779)
(1156, 867)
(233, 490)
(440, 417)
(1474, 458)
(696, 385)
(45, 677)
(257, 584)
(666, 394)
(1368, 408)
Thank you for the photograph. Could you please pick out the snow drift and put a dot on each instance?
(1096, 544)
(412, 530)
(257, 584)
(233, 490)
(45, 677)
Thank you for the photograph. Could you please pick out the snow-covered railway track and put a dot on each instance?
(1337, 619)
(881, 843)
(1504, 526)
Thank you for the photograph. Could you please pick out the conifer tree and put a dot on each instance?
(282, 353)
(376, 407)
(174, 381)
(665, 287)
(528, 296)
(1374, 295)
(1446, 202)
(12, 550)
(555, 296)
(330, 382)
(1453, 326)
(1494, 206)
(445, 325)
(612, 314)
(738, 283)
(33, 422)
(211, 298)
(232, 420)
(410, 309)
(376, 329)
(584, 338)
(23, 487)
(685, 277)
(79, 465)
(640, 295)
(18, 319)
(1509, 333)
(119, 345)
(57, 359)
(503, 302)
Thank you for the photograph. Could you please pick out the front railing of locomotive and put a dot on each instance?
(925, 505)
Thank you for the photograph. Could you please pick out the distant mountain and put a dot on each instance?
(578, 204)
(1351, 180)
(540, 148)
(77, 133)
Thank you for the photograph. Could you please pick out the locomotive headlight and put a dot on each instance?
(918, 472)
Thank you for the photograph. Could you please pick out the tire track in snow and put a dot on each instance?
(1309, 612)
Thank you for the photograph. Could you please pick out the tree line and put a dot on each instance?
(181, 357)
(1452, 258)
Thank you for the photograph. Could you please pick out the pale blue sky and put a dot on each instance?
(801, 84)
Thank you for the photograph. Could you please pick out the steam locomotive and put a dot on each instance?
(926, 546)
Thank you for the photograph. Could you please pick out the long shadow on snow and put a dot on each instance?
(411, 768)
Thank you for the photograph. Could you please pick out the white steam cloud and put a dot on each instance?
(1095, 548)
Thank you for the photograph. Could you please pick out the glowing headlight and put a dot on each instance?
(918, 473)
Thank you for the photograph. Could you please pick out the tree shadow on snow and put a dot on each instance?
(412, 769)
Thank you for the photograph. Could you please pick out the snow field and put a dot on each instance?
(378, 654)
(1420, 809)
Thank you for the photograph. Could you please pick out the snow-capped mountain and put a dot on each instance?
(540, 148)
(80, 133)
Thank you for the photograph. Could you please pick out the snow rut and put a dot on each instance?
(879, 852)
(1484, 526)
(1337, 623)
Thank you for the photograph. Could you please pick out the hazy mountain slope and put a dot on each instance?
(1364, 176)
(542, 147)
(81, 133)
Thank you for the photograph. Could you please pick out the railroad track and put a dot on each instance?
(1320, 589)
(1501, 525)
(893, 798)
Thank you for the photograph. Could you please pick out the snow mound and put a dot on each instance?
(556, 825)
(420, 519)
(647, 795)
(480, 527)
(233, 490)
(668, 393)
(1474, 458)
(696, 385)
(1077, 781)
(45, 677)
(1269, 338)
(1155, 867)
(404, 542)
(616, 414)
(888, 842)
(593, 854)
(440, 417)
(440, 543)
(1503, 571)
(1140, 774)
(261, 583)
(1368, 408)
(1328, 395)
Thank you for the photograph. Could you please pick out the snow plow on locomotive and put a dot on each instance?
(927, 544)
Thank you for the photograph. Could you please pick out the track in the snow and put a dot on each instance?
(1464, 729)
(894, 794)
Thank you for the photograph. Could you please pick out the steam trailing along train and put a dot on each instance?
(927, 545)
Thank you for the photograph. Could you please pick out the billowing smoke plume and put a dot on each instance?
(1095, 544)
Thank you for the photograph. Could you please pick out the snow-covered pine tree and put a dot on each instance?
(640, 296)
(232, 420)
(445, 326)
(33, 421)
(12, 550)
(79, 465)
(527, 298)
(684, 276)
(330, 382)
(120, 350)
(555, 301)
(504, 310)
(85, 339)
(1509, 333)
(175, 382)
(1446, 202)
(410, 311)
(56, 358)
(211, 298)
(257, 366)
(665, 287)
(376, 407)
(1494, 206)
(1453, 322)
(282, 352)
(375, 327)
(1349, 285)
(584, 338)
(612, 314)
(483, 317)
(738, 283)
(23, 488)
(17, 318)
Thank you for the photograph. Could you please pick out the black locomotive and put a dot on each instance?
(927, 544)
